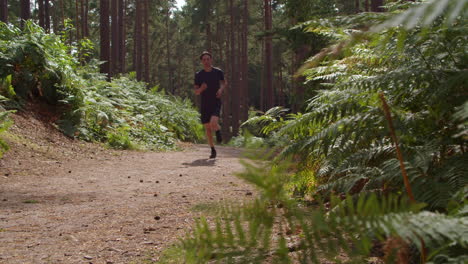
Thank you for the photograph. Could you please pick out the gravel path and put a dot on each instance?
(116, 208)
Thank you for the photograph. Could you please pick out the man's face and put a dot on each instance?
(206, 60)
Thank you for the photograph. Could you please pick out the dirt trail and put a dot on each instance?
(112, 208)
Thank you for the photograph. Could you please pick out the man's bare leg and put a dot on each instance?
(209, 135)
(214, 123)
(215, 127)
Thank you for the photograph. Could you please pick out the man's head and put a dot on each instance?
(206, 59)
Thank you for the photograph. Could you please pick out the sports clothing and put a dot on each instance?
(210, 104)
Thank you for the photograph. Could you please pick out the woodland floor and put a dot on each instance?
(66, 201)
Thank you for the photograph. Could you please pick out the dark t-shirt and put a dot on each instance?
(211, 78)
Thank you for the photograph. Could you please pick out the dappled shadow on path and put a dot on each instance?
(200, 163)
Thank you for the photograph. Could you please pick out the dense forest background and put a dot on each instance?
(259, 44)
(362, 106)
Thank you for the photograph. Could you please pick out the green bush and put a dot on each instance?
(37, 64)
(4, 124)
(34, 64)
(156, 120)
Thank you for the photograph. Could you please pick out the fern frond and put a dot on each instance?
(426, 13)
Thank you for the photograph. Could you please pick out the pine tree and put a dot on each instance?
(105, 34)
(25, 11)
(269, 92)
(4, 11)
(115, 45)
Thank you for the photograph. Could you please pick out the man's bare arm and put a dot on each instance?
(222, 85)
(200, 89)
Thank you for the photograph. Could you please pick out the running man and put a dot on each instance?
(210, 84)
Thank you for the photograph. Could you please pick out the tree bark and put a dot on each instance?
(104, 36)
(367, 5)
(62, 12)
(84, 18)
(41, 14)
(268, 56)
(235, 74)
(227, 109)
(77, 21)
(104, 31)
(376, 5)
(122, 32)
(4, 11)
(146, 43)
(55, 16)
(115, 52)
(356, 5)
(245, 62)
(138, 41)
(25, 11)
(168, 52)
(47, 15)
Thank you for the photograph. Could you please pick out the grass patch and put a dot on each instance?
(172, 255)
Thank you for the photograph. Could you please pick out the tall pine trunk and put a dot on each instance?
(146, 75)
(4, 11)
(138, 41)
(41, 14)
(235, 74)
(227, 105)
(168, 52)
(84, 18)
(269, 92)
(376, 5)
(47, 15)
(115, 52)
(104, 32)
(55, 16)
(245, 62)
(62, 13)
(77, 20)
(122, 32)
(25, 11)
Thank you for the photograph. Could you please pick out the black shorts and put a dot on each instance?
(208, 111)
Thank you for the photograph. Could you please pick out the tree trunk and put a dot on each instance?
(138, 41)
(62, 12)
(4, 11)
(47, 15)
(115, 52)
(25, 11)
(146, 43)
(168, 51)
(84, 18)
(227, 106)
(367, 5)
(122, 32)
(234, 73)
(55, 16)
(245, 62)
(41, 14)
(376, 5)
(268, 56)
(77, 21)
(356, 5)
(220, 41)
(105, 41)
